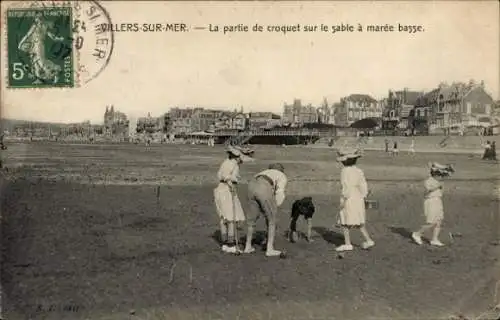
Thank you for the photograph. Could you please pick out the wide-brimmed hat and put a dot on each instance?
(241, 153)
(445, 169)
(348, 153)
(277, 166)
(234, 151)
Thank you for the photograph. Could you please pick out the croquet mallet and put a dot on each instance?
(233, 197)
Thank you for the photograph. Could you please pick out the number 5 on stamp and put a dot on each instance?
(39, 47)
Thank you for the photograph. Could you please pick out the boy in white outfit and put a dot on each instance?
(266, 193)
(433, 204)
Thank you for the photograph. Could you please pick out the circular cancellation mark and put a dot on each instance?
(89, 45)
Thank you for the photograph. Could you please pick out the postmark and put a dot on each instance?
(54, 44)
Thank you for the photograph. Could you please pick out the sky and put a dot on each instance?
(154, 71)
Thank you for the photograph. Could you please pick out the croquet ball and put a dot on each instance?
(283, 255)
(340, 255)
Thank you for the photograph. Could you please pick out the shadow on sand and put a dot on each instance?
(329, 235)
(402, 231)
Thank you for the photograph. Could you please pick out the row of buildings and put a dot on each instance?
(191, 120)
(448, 106)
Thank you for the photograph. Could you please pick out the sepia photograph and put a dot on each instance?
(152, 160)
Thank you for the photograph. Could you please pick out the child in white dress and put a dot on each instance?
(227, 203)
(433, 204)
(352, 201)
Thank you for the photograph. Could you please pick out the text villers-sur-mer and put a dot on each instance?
(144, 27)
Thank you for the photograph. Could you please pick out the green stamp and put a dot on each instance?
(39, 48)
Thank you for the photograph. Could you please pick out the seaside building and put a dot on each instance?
(356, 107)
(263, 120)
(297, 114)
(398, 109)
(116, 123)
(457, 106)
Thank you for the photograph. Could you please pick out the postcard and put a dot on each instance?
(250, 160)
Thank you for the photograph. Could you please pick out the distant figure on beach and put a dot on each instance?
(411, 150)
(331, 142)
(493, 151)
(2, 147)
(395, 149)
(386, 145)
(487, 150)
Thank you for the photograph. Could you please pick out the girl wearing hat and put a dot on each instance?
(227, 203)
(433, 204)
(352, 201)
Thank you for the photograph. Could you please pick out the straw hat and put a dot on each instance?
(234, 151)
(277, 166)
(348, 153)
(240, 153)
(441, 168)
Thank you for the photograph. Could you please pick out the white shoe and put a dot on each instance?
(367, 244)
(273, 253)
(437, 243)
(251, 250)
(344, 247)
(417, 238)
(228, 249)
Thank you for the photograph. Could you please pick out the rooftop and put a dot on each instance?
(361, 98)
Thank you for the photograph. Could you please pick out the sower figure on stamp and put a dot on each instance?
(33, 43)
(352, 202)
(266, 192)
(227, 203)
(302, 207)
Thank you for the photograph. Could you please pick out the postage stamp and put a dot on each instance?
(39, 47)
(54, 44)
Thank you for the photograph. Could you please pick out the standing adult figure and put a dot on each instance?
(266, 193)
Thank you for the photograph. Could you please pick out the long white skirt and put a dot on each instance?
(228, 205)
(433, 209)
(353, 212)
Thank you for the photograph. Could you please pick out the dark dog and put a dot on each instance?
(303, 207)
